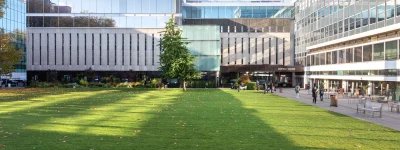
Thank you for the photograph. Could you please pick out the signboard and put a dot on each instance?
(286, 69)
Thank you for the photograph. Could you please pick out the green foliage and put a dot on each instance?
(251, 86)
(83, 82)
(37, 84)
(156, 83)
(10, 54)
(175, 59)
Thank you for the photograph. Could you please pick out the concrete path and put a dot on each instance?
(389, 119)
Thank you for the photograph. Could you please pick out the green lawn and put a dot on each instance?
(172, 119)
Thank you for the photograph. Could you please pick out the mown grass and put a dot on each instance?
(172, 119)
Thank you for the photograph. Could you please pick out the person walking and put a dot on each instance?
(314, 94)
(265, 88)
(321, 94)
(297, 90)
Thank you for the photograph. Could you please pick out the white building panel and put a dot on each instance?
(259, 52)
(104, 49)
(89, 50)
(59, 47)
(52, 53)
(126, 51)
(232, 57)
(67, 49)
(266, 50)
(239, 51)
(97, 50)
(149, 51)
(225, 56)
(246, 56)
(142, 52)
(157, 51)
(280, 51)
(74, 49)
(43, 49)
(273, 51)
(82, 49)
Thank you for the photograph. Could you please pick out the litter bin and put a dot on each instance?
(333, 100)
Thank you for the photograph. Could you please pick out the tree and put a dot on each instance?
(10, 54)
(2, 4)
(175, 59)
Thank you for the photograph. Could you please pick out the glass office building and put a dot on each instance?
(224, 9)
(350, 44)
(13, 23)
(100, 13)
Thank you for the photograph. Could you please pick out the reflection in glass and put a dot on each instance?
(367, 53)
(378, 52)
(391, 50)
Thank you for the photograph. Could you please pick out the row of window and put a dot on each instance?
(375, 52)
(254, 29)
(190, 12)
(314, 28)
(100, 6)
(98, 21)
(266, 46)
(385, 72)
(89, 48)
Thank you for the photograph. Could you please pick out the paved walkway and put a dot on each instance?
(389, 119)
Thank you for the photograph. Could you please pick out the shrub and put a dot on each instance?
(155, 83)
(251, 86)
(244, 79)
(83, 82)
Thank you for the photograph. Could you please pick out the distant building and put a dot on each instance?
(121, 38)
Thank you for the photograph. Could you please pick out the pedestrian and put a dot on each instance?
(265, 88)
(321, 94)
(257, 85)
(297, 90)
(314, 94)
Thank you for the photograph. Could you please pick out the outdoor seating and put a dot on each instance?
(372, 107)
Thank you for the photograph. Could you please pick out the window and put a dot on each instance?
(328, 58)
(322, 58)
(358, 54)
(367, 53)
(349, 55)
(334, 57)
(341, 57)
(391, 50)
(378, 53)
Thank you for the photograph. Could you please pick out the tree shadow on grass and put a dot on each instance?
(99, 121)
(208, 119)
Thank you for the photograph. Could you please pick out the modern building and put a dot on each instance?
(350, 44)
(13, 22)
(67, 38)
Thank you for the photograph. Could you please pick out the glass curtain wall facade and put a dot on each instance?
(319, 21)
(351, 45)
(100, 13)
(12, 25)
(204, 44)
(229, 9)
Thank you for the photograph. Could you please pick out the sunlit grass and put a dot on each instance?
(172, 119)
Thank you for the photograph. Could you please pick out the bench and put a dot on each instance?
(370, 106)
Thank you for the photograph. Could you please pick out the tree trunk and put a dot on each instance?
(184, 85)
